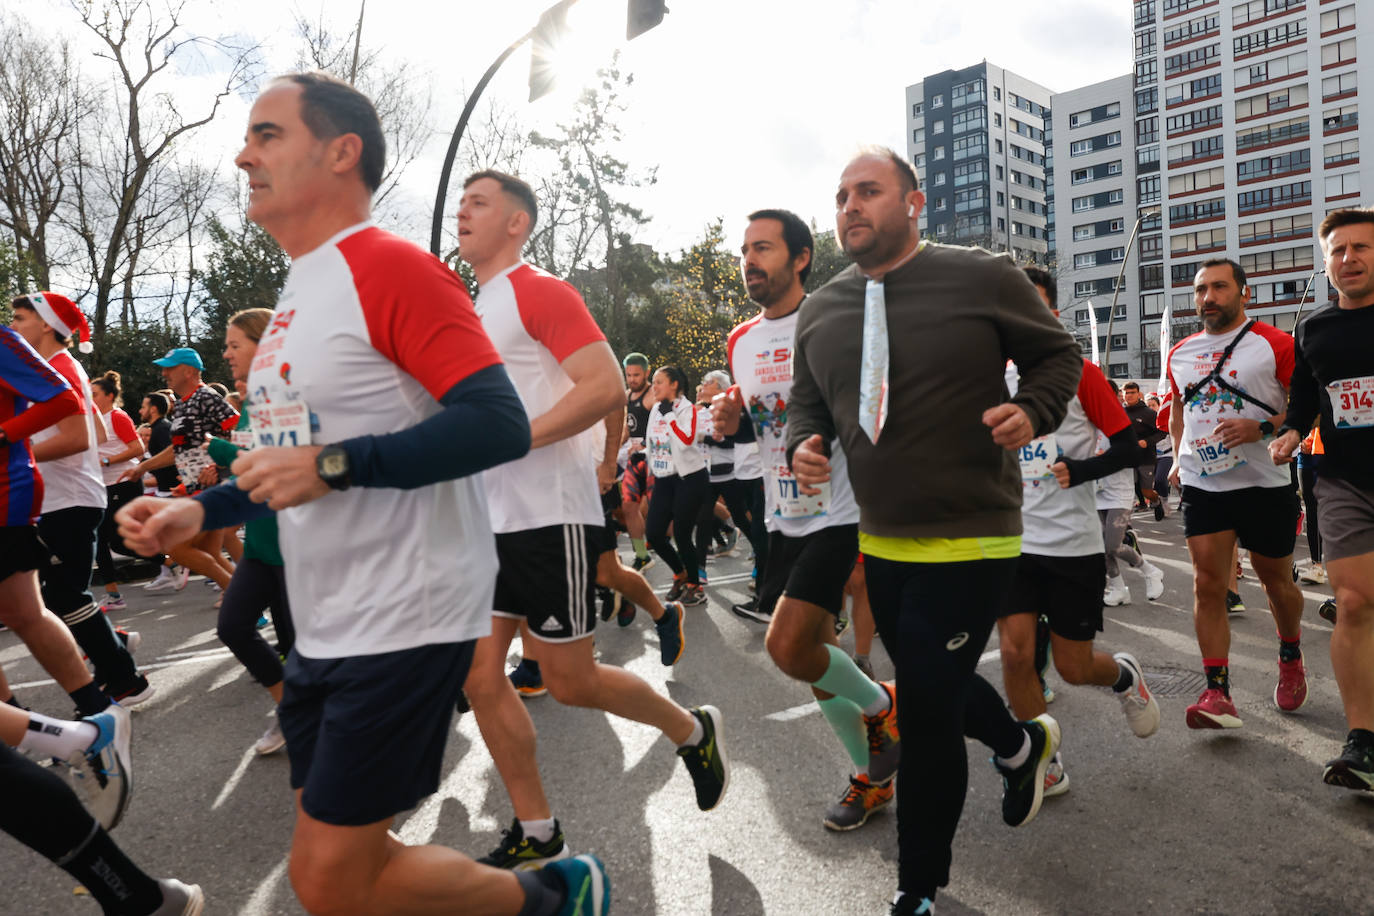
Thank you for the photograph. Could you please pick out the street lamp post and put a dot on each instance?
(1121, 278)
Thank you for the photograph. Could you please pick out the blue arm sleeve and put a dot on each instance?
(226, 506)
(483, 424)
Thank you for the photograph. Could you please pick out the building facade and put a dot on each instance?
(978, 138)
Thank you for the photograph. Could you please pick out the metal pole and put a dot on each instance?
(357, 43)
(1303, 301)
(1120, 278)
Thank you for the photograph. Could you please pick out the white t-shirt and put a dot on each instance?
(118, 425)
(760, 356)
(1260, 366)
(76, 480)
(1060, 522)
(536, 321)
(368, 333)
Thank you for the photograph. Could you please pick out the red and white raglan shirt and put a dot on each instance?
(76, 480)
(120, 433)
(32, 397)
(370, 331)
(536, 321)
(1061, 522)
(1260, 367)
(760, 356)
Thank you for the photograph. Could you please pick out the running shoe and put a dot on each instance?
(1233, 603)
(165, 580)
(626, 615)
(670, 637)
(180, 899)
(1117, 593)
(1291, 691)
(727, 548)
(1159, 511)
(907, 905)
(706, 760)
(132, 639)
(1213, 709)
(527, 680)
(1046, 691)
(749, 610)
(100, 775)
(113, 603)
(271, 741)
(610, 602)
(1129, 539)
(701, 576)
(589, 889)
(519, 853)
(1354, 769)
(642, 563)
(864, 664)
(841, 624)
(1313, 574)
(1154, 581)
(1023, 788)
(1137, 702)
(693, 595)
(884, 741)
(262, 622)
(1327, 611)
(180, 578)
(1056, 780)
(133, 693)
(860, 802)
(679, 585)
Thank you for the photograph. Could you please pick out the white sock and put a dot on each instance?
(59, 738)
(1020, 757)
(879, 706)
(541, 831)
(698, 733)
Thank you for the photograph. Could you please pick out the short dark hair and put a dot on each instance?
(1236, 270)
(795, 233)
(1041, 278)
(1349, 216)
(1130, 386)
(905, 170)
(24, 302)
(158, 402)
(331, 108)
(515, 187)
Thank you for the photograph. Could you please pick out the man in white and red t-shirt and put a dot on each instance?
(74, 500)
(376, 397)
(546, 511)
(1228, 388)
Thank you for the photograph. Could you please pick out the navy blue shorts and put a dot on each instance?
(366, 734)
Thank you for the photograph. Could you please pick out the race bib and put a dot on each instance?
(1214, 457)
(1037, 456)
(791, 501)
(189, 465)
(1352, 402)
(660, 459)
(280, 416)
(242, 438)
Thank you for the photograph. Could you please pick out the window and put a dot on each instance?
(1276, 229)
(940, 205)
(999, 146)
(942, 230)
(997, 93)
(1084, 232)
(1347, 185)
(1146, 72)
(937, 128)
(1147, 100)
(1152, 304)
(1116, 225)
(918, 135)
(919, 160)
(1144, 43)
(970, 119)
(1290, 130)
(1151, 247)
(939, 153)
(1192, 59)
(940, 179)
(1342, 84)
(1198, 119)
(1243, 13)
(1147, 158)
(1001, 224)
(970, 145)
(1082, 261)
(1338, 20)
(916, 109)
(1118, 254)
(1282, 259)
(1000, 173)
(1151, 276)
(1299, 160)
(1196, 211)
(937, 101)
(1182, 274)
(1294, 64)
(970, 173)
(1341, 151)
(1195, 89)
(1083, 203)
(1335, 120)
(1085, 288)
(1287, 195)
(1270, 102)
(1193, 242)
(996, 120)
(1119, 341)
(1144, 12)
(1192, 28)
(1147, 130)
(971, 199)
(1147, 190)
(1281, 34)
(967, 93)
(1080, 316)
(1338, 52)
(1114, 197)
(1206, 148)
(1119, 370)
(1079, 176)
(1203, 180)
(1002, 199)
(1114, 138)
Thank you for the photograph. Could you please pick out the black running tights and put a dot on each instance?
(255, 587)
(934, 620)
(677, 500)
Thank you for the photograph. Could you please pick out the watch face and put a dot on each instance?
(334, 465)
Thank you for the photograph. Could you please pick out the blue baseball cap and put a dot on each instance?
(180, 356)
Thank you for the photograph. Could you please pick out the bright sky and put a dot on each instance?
(741, 104)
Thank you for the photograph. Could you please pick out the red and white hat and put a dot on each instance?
(64, 316)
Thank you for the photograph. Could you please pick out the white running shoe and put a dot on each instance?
(164, 580)
(100, 775)
(1312, 574)
(1117, 593)
(1142, 712)
(1154, 580)
(180, 899)
(271, 741)
(181, 577)
(1056, 780)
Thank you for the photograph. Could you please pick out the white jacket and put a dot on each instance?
(674, 439)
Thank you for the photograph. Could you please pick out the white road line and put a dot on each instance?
(232, 782)
(209, 655)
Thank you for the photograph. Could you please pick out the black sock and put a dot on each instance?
(1290, 650)
(96, 637)
(1124, 678)
(532, 666)
(1218, 678)
(89, 700)
(14, 701)
(544, 890)
(116, 883)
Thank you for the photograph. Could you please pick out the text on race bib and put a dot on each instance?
(1215, 457)
(1038, 456)
(791, 501)
(1352, 402)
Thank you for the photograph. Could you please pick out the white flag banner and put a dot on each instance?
(1092, 329)
(1164, 334)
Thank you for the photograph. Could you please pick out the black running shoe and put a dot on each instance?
(706, 760)
(1327, 611)
(1234, 604)
(1159, 511)
(610, 602)
(626, 615)
(749, 610)
(1129, 540)
(670, 637)
(1354, 769)
(519, 853)
(1023, 789)
(642, 563)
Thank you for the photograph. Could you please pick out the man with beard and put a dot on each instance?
(634, 484)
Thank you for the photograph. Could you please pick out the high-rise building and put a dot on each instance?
(978, 138)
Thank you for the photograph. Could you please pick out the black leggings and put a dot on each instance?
(1307, 476)
(934, 620)
(751, 495)
(255, 587)
(118, 494)
(677, 500)
(737, 500)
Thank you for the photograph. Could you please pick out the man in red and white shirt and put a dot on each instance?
(1228, 388)
(546, 511)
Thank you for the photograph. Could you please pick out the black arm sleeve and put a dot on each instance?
(483, 424)
(226, 506)
(1122, 453)
(1304, 398)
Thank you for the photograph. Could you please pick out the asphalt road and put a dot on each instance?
(1184, 822)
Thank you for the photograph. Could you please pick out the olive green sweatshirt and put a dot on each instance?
(955, 316)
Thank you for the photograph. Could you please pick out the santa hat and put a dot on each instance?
(64, 317)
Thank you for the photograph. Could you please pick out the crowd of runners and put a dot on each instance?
(407, 480)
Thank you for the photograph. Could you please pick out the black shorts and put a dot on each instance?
(1265, 519)
(547, 579)
(812, 568)
(21, 550)
(1067, 590)
(366, 734)
(607, 538)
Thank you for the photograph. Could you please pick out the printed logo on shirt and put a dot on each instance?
(957, 642)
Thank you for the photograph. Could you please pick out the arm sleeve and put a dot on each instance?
(223, 452)
(1049, 360)
(41, 415)
(1123, 452)
(1304, 395)
(553, 313)
(227, 506)
(483, 424)
(807, 412)
(123, 426)
(1155, 433)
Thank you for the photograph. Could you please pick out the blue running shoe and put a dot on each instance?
(101, 775)
(589, 890)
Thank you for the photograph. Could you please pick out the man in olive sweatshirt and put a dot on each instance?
(902, 357)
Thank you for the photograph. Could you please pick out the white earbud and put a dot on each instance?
(911, 210)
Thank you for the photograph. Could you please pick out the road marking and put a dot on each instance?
(207, 655)
(232, 782)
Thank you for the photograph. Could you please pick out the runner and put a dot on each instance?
(1333, 383)
(940, 526)
(677, 463)
(117, 453)
(374, 349)
(546, 514)
(813, 541)
(635, 484)
(1229, 389)
(1062, 572)
(1142, 418)
(1115, 498)
(74, 499)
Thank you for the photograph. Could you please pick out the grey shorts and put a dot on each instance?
(1345, 518)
